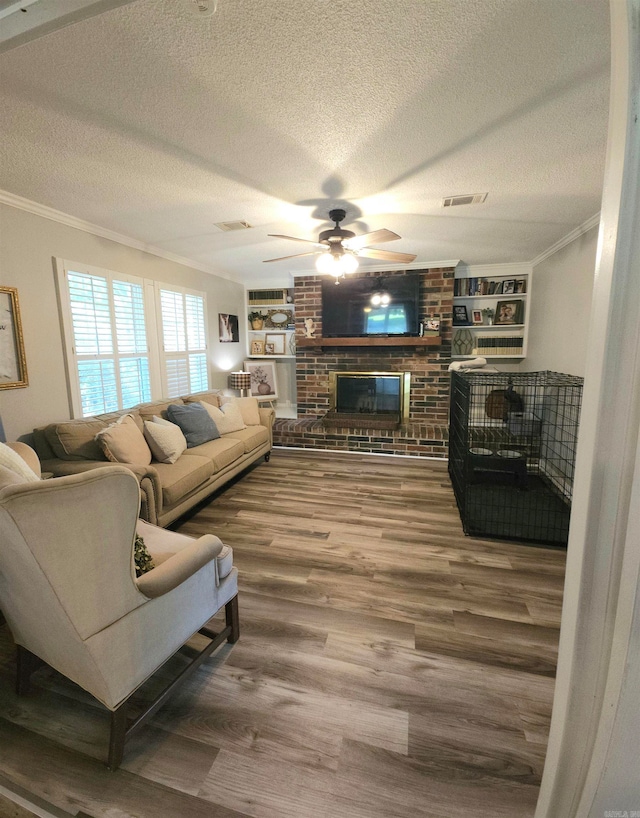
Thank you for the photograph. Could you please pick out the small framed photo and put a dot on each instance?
(268, 349)
(509, 286)
(460, 316)
(263, 379)
(432, 324)
(257, 347)
(477, 316)
(521, 285)
(277, 341)
(509, 312)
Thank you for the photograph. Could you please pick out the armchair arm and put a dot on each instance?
(179, 567)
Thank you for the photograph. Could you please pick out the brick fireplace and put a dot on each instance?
(424, 431)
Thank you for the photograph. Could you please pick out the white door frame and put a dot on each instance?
(591, 764)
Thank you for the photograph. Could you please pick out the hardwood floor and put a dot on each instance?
(388, 666)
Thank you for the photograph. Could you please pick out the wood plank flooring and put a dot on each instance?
(388, 666)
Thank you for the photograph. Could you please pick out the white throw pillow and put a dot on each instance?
(248, 408)
(12, 461)
(227, 419)
(165, 439)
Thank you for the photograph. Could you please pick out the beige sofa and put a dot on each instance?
(167, 490)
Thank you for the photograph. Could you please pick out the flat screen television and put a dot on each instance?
(348, 312)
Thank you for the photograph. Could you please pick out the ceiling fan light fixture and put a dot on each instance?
(336, 264)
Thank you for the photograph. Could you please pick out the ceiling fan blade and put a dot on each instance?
(282, 258)
(387, 255)
(376, 237)
(293, 238)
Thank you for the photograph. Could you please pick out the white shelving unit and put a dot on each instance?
(278, 317)
(492, 340)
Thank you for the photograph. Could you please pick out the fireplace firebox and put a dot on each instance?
(376, 399)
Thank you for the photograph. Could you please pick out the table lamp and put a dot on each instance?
(241, 381)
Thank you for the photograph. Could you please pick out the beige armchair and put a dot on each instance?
(70, 596)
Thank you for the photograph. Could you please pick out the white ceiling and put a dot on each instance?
(155, 123)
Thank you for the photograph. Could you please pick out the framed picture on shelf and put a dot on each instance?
(477, 316)
(509, 312)
(277, 342)
(509, 286)
(263, 379)
(13, 364)
(257, 348)
(268, 349)
(521, 285)
(460, 316)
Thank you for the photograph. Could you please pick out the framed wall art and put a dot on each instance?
(13, 364)
(263, 379)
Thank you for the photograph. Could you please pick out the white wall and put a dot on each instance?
(560, 305)
(28, 245)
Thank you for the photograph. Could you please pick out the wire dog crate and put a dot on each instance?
(512, 447)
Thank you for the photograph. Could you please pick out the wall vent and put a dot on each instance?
(466, 199)
(239, 225)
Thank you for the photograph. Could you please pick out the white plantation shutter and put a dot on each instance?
(107, 341)
(184, 342)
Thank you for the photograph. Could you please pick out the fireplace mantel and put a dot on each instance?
(390, 341)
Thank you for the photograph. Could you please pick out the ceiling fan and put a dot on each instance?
(338, 249)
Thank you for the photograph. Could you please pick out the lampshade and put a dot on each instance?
(240, 380)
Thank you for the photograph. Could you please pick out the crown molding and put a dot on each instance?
(572, 236)
(88, 227)
(513, 268)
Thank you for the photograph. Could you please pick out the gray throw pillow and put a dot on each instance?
(195, 422)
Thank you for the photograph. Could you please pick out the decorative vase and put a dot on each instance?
(462, 343)
(257, 323)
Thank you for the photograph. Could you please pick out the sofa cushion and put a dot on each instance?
(195, 422)
(248, 408)
(156, 407)
(76, 439)
(251, 437)
(123, 442)
(212, 397)
(227, 419)
(221, 452)
(182, 477)
(165, 439)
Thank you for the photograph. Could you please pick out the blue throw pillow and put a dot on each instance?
(194, 420)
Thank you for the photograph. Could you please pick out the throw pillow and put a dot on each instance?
(165, 439)
(248, 408)
(195, 422)
(141, 557)
(123, 442)
(11, 460)
(10, 478)
(228, 419)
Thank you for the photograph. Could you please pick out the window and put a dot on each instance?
(184, 345)
(106, 340)
(114, 358)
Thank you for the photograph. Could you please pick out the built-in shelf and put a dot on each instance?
(392, 341)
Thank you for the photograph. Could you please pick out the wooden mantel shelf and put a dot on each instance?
(390, 341)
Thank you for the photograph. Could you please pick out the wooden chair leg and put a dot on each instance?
(117, 737)
(232, 619)
(26, 664)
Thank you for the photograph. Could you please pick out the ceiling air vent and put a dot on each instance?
(466, 199)
(226, 226)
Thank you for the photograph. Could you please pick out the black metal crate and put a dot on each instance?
(512, 445)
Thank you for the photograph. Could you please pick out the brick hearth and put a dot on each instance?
(425, 433)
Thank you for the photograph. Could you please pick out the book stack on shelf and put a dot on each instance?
(504, 345)
(473, 287)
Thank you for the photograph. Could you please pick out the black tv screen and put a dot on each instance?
(348, 310)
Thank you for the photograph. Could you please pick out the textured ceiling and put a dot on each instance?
(155, 123)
